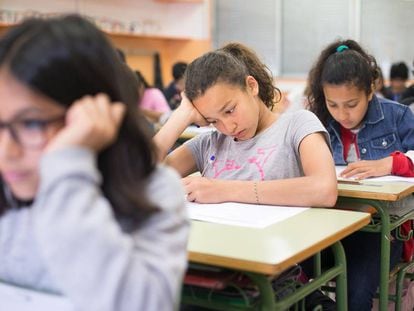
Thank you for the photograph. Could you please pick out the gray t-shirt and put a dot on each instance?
(70, 242)
(272, 154)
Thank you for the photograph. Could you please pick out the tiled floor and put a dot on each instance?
(408, 298)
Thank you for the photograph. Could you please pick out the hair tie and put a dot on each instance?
(342, 48)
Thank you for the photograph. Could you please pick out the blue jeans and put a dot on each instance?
(362, 251)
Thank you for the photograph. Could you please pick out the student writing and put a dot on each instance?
(369, 135)
(85, 210)
(259, 156)
(173, 91)
(255, 156)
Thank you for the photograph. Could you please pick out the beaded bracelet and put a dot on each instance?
(255, 192)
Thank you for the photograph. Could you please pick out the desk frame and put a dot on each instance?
(267, 300)
(206, 251)
(380, 201)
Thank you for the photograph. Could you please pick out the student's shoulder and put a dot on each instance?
(153, 92)
(390, 106)
(409, 91)
(164, 189)
(170, 87)
(299, 116)
(170, 91)
(164, 174)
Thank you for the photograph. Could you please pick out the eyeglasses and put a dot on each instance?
(30, 132)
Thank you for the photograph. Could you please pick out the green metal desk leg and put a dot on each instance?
(341, 279)
(317, 264)
(338, 272)
(398, 290)
(382, 209)
(385, 253)
(267, 297)
(401, 275)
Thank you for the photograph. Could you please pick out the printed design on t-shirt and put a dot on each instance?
(258, 160)
(229, 165)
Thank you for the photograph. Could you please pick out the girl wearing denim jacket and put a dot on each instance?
(368, 134)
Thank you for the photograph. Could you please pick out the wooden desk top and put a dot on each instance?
(275, 248)
(386, 191)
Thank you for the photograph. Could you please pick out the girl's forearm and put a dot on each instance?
(300, 191)
(171, 131)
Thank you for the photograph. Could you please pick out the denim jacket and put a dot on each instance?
(386, 127)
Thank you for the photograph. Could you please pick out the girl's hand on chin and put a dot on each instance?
(91, 122)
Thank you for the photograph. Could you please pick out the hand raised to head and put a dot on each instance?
(91, 122)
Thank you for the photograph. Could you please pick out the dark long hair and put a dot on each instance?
(66, 58)
(230, 64)
(348, 65)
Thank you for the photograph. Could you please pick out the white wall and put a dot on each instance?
(289, 34)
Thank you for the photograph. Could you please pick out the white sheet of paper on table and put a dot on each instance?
(388, 178)
(241, 214)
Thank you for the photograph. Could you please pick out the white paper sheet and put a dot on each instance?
(240, 214)
(15, 298)
(194, 130)
(388, 178)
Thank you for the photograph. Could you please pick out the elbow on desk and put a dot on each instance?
(326, 195)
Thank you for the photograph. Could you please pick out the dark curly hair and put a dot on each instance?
(350, 65)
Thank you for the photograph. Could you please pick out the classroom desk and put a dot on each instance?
(379, 195)
(271, 250)
(193, 131)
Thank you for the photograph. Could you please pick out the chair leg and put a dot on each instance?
(401, 275)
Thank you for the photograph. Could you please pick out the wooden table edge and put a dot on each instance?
(270, 269)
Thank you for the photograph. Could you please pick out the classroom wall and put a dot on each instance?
(177, 30)
(387, 30)
(289, 34)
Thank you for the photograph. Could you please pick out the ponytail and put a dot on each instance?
(230, 64)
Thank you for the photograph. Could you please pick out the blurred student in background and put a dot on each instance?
(151, 101)
(370, 135)
(173, 92)
(398, 80)
(407, 98)
(379, 86)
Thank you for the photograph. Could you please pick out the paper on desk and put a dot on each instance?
(338, 170)
(240, 214)
(194, 130)
(20, 299)
(387, 178)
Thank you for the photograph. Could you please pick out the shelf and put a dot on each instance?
(180, 1)
(120, 34)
